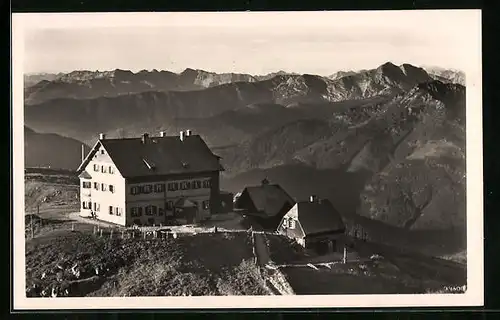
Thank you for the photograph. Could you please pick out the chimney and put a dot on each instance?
(145, 137)
(83, 152)
(102, 136)
(162, 134)
(181, 135)
(188, 133)
(313, 198)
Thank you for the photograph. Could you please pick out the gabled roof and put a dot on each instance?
(185, 203)
(269, 199)
(158, 156)
(85, 175)
(318, 217)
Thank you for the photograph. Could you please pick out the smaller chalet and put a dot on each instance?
(265, 204)
(314, 224)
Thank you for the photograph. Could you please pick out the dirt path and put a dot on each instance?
(76, 217)
(261, 249)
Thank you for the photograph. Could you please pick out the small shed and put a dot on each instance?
(266, 204)
(314, 224)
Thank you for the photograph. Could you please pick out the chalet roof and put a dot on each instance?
(184, 203)
(269, 199)
(159, 156)
(318, 217)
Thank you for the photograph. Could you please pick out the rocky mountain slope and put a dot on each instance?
(401, 161)
(447, 75)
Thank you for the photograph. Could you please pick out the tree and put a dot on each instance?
(413, 206)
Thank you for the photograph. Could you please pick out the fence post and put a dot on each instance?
(111, 234)
(344, 259)
(101, 232)
(72, 226)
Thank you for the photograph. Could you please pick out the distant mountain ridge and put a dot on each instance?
(85, 84)
(84, 118)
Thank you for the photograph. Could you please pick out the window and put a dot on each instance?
(111, 170)
(111, 210)
(160, 187)
(146, 188)
(154, 210)
(104, 187)
(102, 151)
(118, 211)
(133, 212)
(206, 184)
(161, 212)
(170, 205)
(134, 190)
(150, 210)
(87, 184)
(206, 204)
(290, 223)
(84, 205)
(173, 186)
(111, 188)
(104, 169)
(96, 167)
(96, 185)
(97, 207)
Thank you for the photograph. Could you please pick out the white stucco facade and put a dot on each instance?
(107, 194)
(107, 190)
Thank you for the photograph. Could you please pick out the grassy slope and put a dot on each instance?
(205, 264)
(53, 194)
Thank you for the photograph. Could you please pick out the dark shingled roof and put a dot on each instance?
(269, 199)
(161, 156)
(318, 217)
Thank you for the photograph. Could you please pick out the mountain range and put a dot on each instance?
(385, 144)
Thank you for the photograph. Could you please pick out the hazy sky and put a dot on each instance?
(255, 43)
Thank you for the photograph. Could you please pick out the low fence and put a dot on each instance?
(36, 224)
